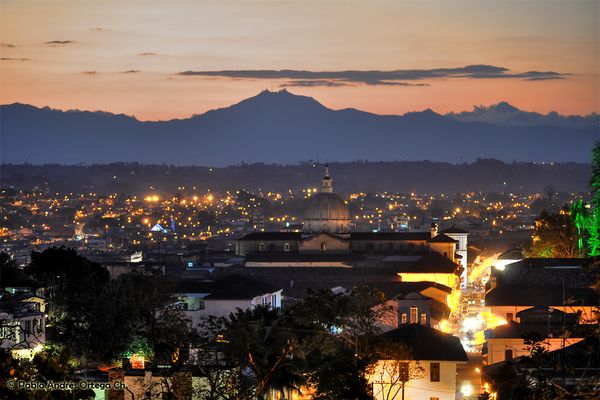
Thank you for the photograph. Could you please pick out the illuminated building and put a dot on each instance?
(430, 372)
(327, 240)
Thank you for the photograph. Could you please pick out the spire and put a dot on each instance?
(327, 188)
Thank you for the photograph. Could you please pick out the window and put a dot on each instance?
(404, 318)
(508, 355)
(414, 312)
(509, 316)
(323, 246)
(434, 398)
(434, 372)
(423, 319)
(261, 247)
(286, 247)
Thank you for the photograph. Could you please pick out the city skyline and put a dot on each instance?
(161, 62)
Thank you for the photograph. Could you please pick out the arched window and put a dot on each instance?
(286, 247)
(323, 246)
(261, 247)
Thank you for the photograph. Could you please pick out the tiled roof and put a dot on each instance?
(540, 282)
(441, 238)
(239, 287)
(303, 257)
(454, 229)
(390, 236)
(427, 343)
(272, 236)
(432, 262)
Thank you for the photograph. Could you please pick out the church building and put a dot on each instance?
(328, 240)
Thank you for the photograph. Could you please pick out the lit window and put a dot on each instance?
(404, 318)
(423, 319)
(434, 372)
(261, 247)
(286, 247)
(414, 313)
(323, 246)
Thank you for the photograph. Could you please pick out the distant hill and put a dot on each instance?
(280, 127)
(403, 176)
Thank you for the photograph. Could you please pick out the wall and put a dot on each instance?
(449, 280)
(497, 347)
(332, 243)
(419, 387)
(588, 314)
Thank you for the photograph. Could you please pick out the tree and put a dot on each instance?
(593, 225)
(394, 369)
(340, 340)
(103, 320)
(11, 275)
(263, 349)
(580, 219)
(555, 235)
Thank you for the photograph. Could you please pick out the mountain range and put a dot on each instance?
(281, 127)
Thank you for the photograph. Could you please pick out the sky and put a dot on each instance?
(160, 60)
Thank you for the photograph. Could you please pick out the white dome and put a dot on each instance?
(326, 212)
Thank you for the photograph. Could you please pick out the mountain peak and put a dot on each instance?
(503, 107)
(278, 100)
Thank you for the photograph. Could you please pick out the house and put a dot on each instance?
(505, 342)
(416, 308)
(579, 380)
(427, 371)
(23, 324)
(560, 283)
(224, 296)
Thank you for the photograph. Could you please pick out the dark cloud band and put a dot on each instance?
(375, 77)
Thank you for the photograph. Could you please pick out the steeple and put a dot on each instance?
(327, 188)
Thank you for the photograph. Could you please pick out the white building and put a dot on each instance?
(460, 235)
(225, 296)
(429, 373)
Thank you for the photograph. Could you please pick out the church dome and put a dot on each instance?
(327, 206)
(327, 212)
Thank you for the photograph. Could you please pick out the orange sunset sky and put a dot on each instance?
(128, 56)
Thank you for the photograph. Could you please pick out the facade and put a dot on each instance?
(505, 342)
(225, 296)
(23, 329)
(429, 373)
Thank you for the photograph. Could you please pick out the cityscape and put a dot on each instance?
(276, 203)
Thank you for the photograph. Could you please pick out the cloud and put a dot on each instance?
(315, 83)
(375, 77)
(14, 59)
(131, 71)
(55, 43)
(338, 83)
(89, 73)
(10, 45)
(147, 54)
(97, 29)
